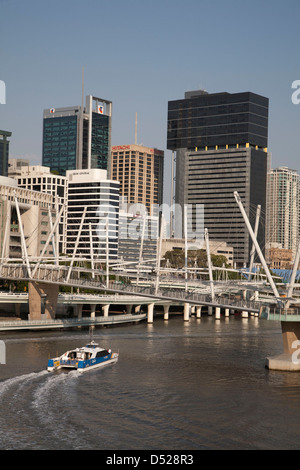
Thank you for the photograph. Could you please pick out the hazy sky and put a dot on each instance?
(141, 54)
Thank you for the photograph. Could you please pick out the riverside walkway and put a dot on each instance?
(46, 324)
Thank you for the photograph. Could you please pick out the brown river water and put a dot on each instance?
(177, 385)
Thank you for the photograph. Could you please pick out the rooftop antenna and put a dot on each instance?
(79, 156)
(82, 92)
(135, 138)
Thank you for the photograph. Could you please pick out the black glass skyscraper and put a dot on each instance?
(221, 143)
(76, 138)
(204, 121)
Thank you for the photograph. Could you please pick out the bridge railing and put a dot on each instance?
(58, 274)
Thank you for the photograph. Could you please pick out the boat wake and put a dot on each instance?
(33, 411)
(18, 381)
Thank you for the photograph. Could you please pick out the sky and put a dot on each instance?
(142, 54)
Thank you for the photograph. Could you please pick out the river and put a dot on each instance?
(177, 385)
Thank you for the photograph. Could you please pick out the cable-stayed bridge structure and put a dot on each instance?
(45, 276)
(55, 275)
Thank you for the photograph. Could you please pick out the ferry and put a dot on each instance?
(85, 358)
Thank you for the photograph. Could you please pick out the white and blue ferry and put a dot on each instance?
(85, 358)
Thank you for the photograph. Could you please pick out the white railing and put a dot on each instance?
(60, 275)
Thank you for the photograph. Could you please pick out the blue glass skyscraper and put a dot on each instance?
(78, 137)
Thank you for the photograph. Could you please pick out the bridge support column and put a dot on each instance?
(166, 312)
(128, 309)
(105, 309)
(18, 310)
(79, 311)
(35, 292)
(137, 308)
(226, 312)
(198, 311)
(290, 359)
(245, 314)
(150, 313)
(218, 313)
(93, 311)
(186, 312)
(209, 311)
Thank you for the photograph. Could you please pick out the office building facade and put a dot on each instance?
(221, 147)
(35, 209)
(203, 121)
(15, 166)
(138, 241)
(39, 178)
(140, 171)
(92, 190)
(4, 152)
(78, 190)
(211, 179)
(78, 137)
(283, 209)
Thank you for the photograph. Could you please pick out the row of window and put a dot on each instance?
(51, 180)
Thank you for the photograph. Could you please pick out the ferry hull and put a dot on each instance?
(80, 366)
(112, 360)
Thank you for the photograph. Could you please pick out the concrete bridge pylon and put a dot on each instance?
(37, 292)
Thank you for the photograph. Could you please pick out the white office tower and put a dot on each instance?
(92, 220)
(283, 209)
(25, 217)
(39, 178)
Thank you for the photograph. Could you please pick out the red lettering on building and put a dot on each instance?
(121, 147)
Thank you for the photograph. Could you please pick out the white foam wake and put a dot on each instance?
(7, 384)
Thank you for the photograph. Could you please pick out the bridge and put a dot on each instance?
(45, 276)
(44, 281)
(48, 277)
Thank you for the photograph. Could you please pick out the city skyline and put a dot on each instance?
(140, 56)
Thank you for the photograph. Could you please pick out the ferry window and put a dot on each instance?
(102, 353)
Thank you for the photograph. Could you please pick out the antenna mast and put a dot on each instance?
(82, 93)
(80, 137)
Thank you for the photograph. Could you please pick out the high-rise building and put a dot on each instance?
(78, 137)
(4, 151)
(98, 238)
(78, 190)
(283, 209)
(15, 166)
(202, 121)
(221, 141)
(35, 210)
(138, 241)
(39, 178)
(140, 171)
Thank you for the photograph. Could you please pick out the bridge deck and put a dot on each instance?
(86, 279)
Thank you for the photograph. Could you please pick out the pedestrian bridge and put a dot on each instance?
(53, 276)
